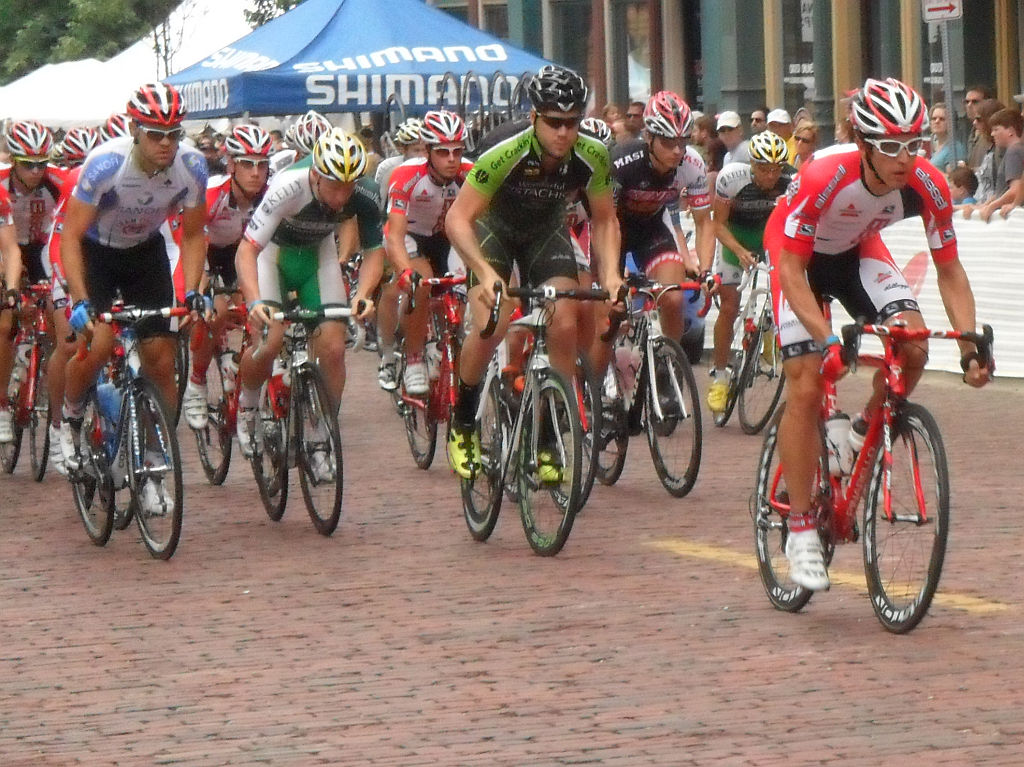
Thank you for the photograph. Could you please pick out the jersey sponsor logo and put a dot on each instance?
(882, 277)
(933, 191)
(805, 230)
(482, 176)
(145, 199)
(792, 189)
(399, 204)
(280, 195)
(628, 158)
(509, 153)
(821, 199)
(850, 211)
(947, 235)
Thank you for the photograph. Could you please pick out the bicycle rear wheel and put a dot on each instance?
(270, 458)
(421, 432)
(761, 377)
(769, 509)
(318, 451)
(181, 366)
(214, 440)
(9, 451)
(613, 439)
(39, 421)
(675, 437)
(482, 495)
(549, 485)
(156, 472)
(588, 391)
(91, 485)
(904, 550)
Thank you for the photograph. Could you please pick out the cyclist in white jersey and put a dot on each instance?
(112, 244)
(410, 145)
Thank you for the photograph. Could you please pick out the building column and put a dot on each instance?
(734, 55)
(524, 25)
(824, 96)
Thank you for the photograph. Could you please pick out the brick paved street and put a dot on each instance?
(401, 641)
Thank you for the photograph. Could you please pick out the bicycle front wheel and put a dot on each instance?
(91, 485)
(214, 440)
(588, 398)
(482, 495)
(905, 540)
(181, 366)
(318, 447)
(270, 458)
(39, 420)
(421, 432)
(761, 378)
(9, 451)
(156, 472)
(770, 509)
(675, 436)
(613, 438)
(550, 463)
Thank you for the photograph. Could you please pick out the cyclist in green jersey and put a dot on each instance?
(511, 211)
(745, 196)
(289, 245)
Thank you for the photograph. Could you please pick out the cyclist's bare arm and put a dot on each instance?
(720, 211)
(793, 280)
(193, 244)
(605, 240)
(369, 275)
(10, 252)
(704, 242)
(245, 267)
(958, 300)
(469, 205)
(398, 255)
(79, 218)
(348, 240)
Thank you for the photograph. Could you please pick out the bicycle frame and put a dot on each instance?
(37, 333)
(446, 313)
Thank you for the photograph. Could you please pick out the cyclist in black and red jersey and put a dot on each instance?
(823, 239)
(230, 201)
(421, 191)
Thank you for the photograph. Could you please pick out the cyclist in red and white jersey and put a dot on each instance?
(75, 147)
(421, 191)
(230, 201)
(300, 137)
(10, 254)
(823, 239)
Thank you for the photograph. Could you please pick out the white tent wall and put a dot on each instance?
(86, 92)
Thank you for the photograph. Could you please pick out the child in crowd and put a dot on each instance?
(963, 184)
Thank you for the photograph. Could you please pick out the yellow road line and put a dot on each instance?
(838, 577)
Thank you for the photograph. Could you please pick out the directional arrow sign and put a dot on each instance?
(942, 10)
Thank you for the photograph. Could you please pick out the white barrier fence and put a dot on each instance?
(992, 255)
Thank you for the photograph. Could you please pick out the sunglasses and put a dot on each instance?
(33, 164)
(246, 162)
(449, 151)
(569, 123)
(634, 114)
(157, 135)
(803, 140)
(891, 147)
(972, 101)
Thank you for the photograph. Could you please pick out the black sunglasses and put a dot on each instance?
(33, 164)
(569, 123)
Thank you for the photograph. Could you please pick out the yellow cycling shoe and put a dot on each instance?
(718, 396)
(549, 471)
(464, 452)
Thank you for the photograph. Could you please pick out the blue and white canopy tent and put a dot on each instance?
(352, 55)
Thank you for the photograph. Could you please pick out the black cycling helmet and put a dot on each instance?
(557, 88)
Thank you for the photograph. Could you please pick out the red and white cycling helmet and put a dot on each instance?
(117, 125)
(157, 104)
(442, 127)
(888, 108)
(29, 139)
(77, 143)
(308, 129)
(597, 128)
(245, 140)
(668, 116)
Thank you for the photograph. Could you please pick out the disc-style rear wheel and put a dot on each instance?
(156, 469)
(674, 435)
(904, 546)
(319, 457)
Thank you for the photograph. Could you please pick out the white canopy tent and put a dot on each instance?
(86, 92)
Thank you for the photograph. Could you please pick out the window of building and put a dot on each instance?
(570, 25)
(631, 43)
(495, 19)
(797, 53)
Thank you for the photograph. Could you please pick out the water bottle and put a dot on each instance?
(20, 370)
(837, 440)
(109, 399)
(229, 369)
(627, 360)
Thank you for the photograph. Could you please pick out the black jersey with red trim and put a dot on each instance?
(641, 192)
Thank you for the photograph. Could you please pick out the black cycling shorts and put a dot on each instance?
(646, 240)
(435, 249)
(221, 262)
(32, 259)
(541, 254)
(140, 275)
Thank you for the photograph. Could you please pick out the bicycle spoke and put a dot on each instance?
(156, 471)
(319, 458)
(673, 419)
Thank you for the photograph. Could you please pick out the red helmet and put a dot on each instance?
(668, 116)
(157, 104)
(117, 125)
(888, 108)
(442, 127)
(77, 143)
(29, 139)
(248, 140)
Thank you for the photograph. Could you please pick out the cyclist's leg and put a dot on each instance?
(324, 289)
(668, 268)
(730, 273)
(257, 361)
(552, 261)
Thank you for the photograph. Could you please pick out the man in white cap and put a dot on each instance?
(779, 122)
(730, 131)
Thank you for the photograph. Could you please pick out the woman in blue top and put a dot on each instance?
(945, 154)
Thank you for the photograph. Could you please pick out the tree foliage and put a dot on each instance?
(265, 10)
(37, 32)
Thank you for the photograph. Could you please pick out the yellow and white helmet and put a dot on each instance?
(767, 147)
(339, 155)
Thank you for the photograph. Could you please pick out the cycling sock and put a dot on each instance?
(198, 378)
(72, 410)
(799, 523)
(466, 405)
(248, 398)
